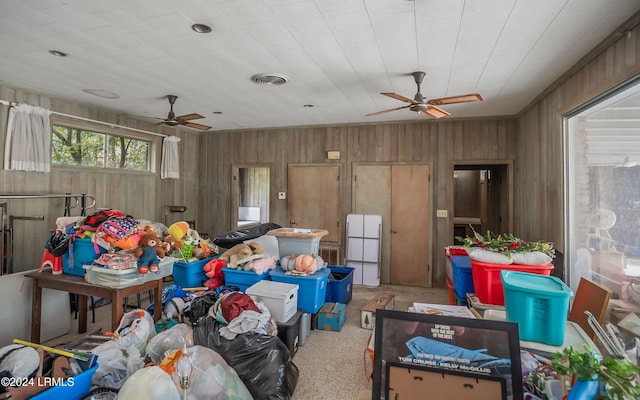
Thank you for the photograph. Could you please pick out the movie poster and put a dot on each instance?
(453, 345)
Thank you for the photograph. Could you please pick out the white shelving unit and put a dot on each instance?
(364, 232)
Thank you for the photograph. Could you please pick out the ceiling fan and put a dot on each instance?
(429, 107)
(184, 120)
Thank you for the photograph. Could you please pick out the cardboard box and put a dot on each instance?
(280, 298)
(331, 316)
(368, 311)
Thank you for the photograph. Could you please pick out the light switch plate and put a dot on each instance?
(442, 213)
(333, 155)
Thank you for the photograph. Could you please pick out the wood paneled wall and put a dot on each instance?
(441, 142)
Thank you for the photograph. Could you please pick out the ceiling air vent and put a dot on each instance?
(270, 79)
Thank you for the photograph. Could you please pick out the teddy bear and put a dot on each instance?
(146, 254)
(240, 252)
(168, 246)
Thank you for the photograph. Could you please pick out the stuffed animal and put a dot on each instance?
(178, 229)
(306, 263)
(168, 246)
(146, 254)
(213, 271)
(240, 252)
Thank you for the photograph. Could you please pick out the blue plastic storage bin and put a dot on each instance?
(339, 284)
(243, 279)
(83, 252)
(538, 303)
(312, 289)
(71, 390)
(190, 274)
(462, 279)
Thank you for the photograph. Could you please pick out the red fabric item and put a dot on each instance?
(235, 303)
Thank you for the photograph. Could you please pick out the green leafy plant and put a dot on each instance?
(618, 374)
(505, 243)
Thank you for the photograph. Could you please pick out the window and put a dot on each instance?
(602, 144)
(79, 146)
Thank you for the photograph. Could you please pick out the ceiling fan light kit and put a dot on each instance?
(429, 107)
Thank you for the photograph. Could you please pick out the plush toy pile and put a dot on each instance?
(123, 242)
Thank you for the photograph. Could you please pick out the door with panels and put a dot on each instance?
(313, 200)
(401, 195)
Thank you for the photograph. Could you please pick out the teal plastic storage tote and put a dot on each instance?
(538, 303)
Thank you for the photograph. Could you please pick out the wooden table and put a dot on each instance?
(77, 285)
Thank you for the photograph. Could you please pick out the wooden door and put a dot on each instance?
(372, 195)
(410, 227)
(401, 193)
(314, 199)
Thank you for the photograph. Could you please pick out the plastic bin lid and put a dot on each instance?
(299, 233)
(320, 274)
(534, 283)
(271, 289)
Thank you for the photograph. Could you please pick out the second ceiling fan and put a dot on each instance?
(184, 120)
(429, 107)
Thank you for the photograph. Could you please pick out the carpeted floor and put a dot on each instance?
(332, 364)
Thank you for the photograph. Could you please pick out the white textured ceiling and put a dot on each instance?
(338, 54)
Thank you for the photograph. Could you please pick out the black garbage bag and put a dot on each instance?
(199, 306)
(263, 362)
(232, 238)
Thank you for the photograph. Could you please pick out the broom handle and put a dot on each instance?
(52, 350)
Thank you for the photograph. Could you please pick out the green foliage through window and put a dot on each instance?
(81, 147)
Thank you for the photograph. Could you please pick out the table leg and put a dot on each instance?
(36, 313)
(82, 313)
(116, 310)
(157, 302)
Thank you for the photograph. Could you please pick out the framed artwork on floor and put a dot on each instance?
(460, 357)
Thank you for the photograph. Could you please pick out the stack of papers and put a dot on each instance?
(442, 309)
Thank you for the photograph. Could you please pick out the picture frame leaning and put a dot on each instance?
(453, 355)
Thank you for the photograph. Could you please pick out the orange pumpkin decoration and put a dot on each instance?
(306, 263)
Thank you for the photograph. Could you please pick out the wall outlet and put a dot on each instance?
(442, 213)
(282, 195)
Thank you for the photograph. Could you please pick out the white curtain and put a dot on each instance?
(28, 146)
(170, 166)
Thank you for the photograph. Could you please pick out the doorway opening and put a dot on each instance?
(482, 198)
(250, 195)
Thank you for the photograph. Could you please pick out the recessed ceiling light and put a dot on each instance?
(58, 53)
(201, 28)
(102, 93)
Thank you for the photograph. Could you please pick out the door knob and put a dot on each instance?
(293, 222)
(395, 231)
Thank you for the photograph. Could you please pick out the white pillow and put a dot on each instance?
(531, 258)
(486, 256)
